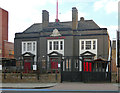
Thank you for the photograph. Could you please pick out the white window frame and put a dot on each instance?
(88, 44)
(29, 46)
(91, 50)
(59, 46)
(34, 45)
(24, 46)
(94, 44)
(55, 45)
(33, 51)
(50, 45)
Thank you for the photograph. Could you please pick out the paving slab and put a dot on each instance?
(86, 86)
(27, 85)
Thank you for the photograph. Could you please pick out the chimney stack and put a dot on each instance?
(74, 18)
(45, 19)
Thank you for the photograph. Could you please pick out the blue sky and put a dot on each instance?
(24, 13)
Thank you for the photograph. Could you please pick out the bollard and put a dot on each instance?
(20, 75)
(4, 75)
(37, 76)
(56, 75)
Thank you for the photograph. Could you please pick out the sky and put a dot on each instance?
(24, 13)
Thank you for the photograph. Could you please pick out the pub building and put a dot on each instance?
(77, 45)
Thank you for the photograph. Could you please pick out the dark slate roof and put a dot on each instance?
(37, 27)
(63, 26)
(87, 24)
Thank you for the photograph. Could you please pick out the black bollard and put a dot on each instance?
(56, 75)
(4, 75)
(20, 75)
(38, 76)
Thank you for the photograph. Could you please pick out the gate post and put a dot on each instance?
(61, 69)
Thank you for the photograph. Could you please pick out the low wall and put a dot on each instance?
(30, 78)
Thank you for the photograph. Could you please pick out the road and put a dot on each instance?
(54, 91)
(70, 87)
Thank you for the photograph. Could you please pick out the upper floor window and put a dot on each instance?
(61, 45)
(55, 45)
(50, 45)
(88, 45)
(94, 44)
(82, 45)
(29, 46)
(34, 46)
(24, 46)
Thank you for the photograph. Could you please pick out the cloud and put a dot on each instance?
(22, 13)
(109, 6)
(75, 1)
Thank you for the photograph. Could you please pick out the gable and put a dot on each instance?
(87, 53)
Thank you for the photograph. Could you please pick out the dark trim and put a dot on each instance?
(27, 33)
(61, 29)
(25, 37)
(55, 37)
(62, 35)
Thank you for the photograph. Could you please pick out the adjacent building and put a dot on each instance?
(6, 48)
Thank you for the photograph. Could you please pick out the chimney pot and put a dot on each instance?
(82, 19)
(74, 18)
(45, 18)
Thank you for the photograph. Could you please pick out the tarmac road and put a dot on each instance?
(67, 87)
(60, 91)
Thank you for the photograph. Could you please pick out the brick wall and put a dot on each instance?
(30, 78)
(3, 30)
(9, 49)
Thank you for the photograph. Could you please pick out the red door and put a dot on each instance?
(27, 67)
(87, 66)
(54, 64)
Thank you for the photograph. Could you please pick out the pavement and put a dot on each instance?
(62, 86)
(27, 85)
(86, 86)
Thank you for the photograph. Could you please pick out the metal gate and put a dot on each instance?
(100, 71)
(71, 69)
(74, 69)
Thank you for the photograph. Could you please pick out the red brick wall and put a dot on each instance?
(0, 32)
(9, 49)
(3, 29)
